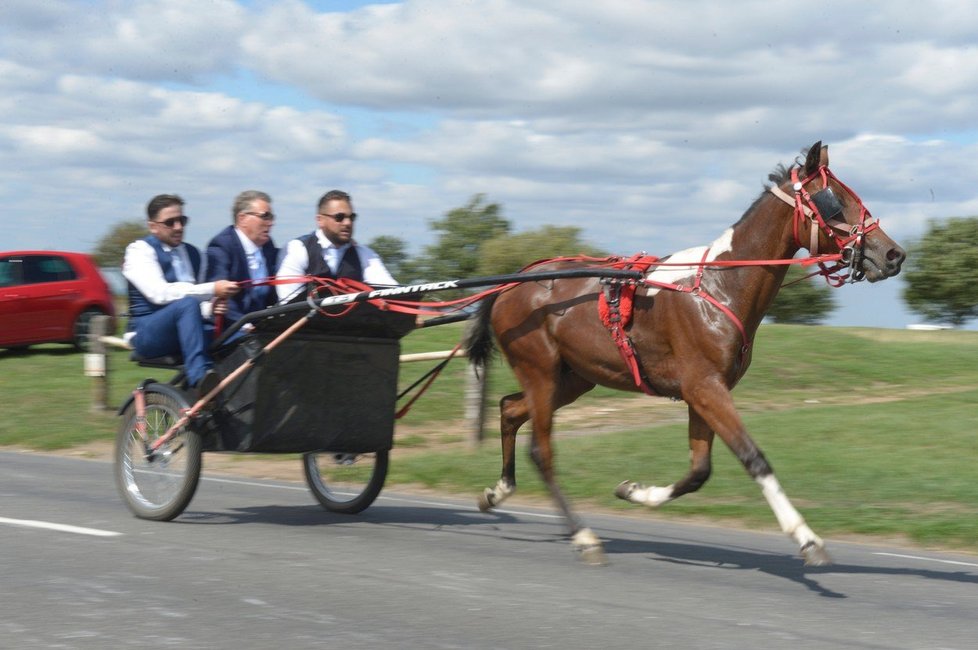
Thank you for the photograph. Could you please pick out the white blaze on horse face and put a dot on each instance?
(676, 270)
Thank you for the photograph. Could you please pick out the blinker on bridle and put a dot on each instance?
(830, 208)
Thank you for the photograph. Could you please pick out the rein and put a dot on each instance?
(616, 306)
(850, 239)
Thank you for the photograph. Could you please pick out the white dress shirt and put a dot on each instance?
(256, 260)
(295, 263)
(142, 268)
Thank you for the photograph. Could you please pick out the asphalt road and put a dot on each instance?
(258, 564)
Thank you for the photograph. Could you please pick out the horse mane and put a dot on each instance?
(779, 175)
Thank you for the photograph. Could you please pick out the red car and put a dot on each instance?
(50, 297)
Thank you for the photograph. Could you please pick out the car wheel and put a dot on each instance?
(82, 325)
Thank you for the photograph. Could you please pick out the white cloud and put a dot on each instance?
(650, 125)
(177, 40)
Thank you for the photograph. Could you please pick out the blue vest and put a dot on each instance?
(139, 305)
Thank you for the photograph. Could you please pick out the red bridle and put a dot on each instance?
(849, 238)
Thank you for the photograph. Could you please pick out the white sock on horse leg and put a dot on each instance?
(651, 496)
(790, 519)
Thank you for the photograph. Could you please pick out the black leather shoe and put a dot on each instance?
(207, 383)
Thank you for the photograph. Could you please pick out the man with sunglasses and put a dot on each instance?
(168, 309)
(330, 251)
(244, 252)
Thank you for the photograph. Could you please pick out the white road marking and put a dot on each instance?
(254, 484)
(926, 559)
(63, 528)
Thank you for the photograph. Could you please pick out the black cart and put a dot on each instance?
(327, 391)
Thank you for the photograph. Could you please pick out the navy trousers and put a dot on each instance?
(177, 328)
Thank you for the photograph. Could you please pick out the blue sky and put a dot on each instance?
(649, 125)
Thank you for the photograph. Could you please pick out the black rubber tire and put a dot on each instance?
(79, 331)
(158, 489)
(325, 476)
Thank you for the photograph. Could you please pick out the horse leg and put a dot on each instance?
(569, 387)
(700, 448)
(513, 413)
(515, 410)
(583, 539)
(712, 401)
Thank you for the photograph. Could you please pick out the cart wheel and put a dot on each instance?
(161, 486)
(345, 483)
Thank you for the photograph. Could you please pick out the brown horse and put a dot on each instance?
(691, 332)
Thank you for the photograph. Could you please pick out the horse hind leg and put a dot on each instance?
(583, 539)
(570, 386)
(700, 467)
(513, 413)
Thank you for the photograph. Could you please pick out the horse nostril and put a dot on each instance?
(895, 257)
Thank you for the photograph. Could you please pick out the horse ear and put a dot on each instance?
(817, 156)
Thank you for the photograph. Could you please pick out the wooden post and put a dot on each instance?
(476, 384)
(97, 362)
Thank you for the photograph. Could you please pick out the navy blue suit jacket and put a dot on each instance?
(226, 260)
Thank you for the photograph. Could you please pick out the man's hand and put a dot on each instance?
(225, 288)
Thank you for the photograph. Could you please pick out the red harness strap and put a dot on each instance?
(615, 310)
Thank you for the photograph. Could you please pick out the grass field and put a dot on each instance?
(872, 432)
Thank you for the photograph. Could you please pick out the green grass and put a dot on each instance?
(871, 432)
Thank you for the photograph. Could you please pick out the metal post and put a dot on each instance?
(476, 384)
(97, 362)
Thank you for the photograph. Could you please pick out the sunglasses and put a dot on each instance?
(172, 221)
(340, 217)
(264, 216)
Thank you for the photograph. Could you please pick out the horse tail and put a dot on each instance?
(479, 343)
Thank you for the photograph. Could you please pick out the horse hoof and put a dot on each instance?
(815, 555)
(593, 555)
(485, 501)
(625, 489)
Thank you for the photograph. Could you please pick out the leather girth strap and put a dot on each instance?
(615, 310)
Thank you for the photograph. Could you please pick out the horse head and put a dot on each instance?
(830, 218)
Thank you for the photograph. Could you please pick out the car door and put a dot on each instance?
(52, 290)
(14, 326)
(37, 299)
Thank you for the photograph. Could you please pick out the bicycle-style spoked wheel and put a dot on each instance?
(346, 483)
(157, 485)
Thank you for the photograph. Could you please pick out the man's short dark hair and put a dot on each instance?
(159, 202)
(333, 195)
